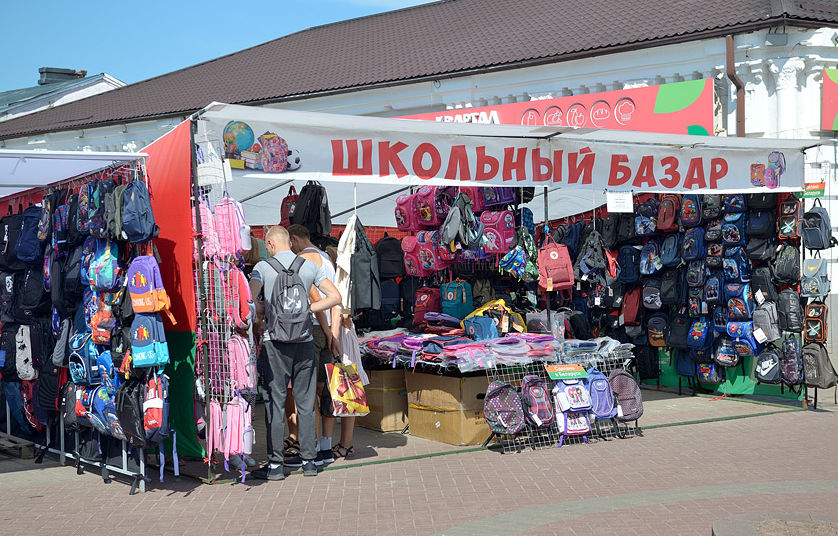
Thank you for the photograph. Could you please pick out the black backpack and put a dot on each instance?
(128, 403)
(761, 280)
(580, 328)
(48, 387)
(32, 299)
(673, 287)
(786, 265)
(390, 298)
(647, 362)
(761, 248)
(817, 368)
(134, 216)
(7, 297)
(679, 329)
(27, 247)
(790, 311)
(767, 369)
(609, 230)
(407, 289)
(762, 201)
(67, 407)
(572, 238)
(10, 228)
(312, 210)
(626, 232)
(8, 344)
(390, 257)
(74, 236)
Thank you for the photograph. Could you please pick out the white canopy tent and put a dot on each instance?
(23, 170)
(361, 159)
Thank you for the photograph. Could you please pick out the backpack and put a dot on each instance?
(25, 355)
(696, 274)
(713, 231)
(231, 227)
(571, 395)
(537, 403)
(148, 341)
(767, 319)
(503, 409)
(428, 300)
(714, 289)
(646, 362)
(700, 335)
(74, 236)
(74, 282)
(816, 323)
(145, 286)
(242, 367)
(791, 362)
(240, 306)
(695, 302)
(524, 218)
(762, 201)
(710, 373)
(678, 332)
(82, 361)
(671, 250)
(390, 298)
(572, 238)
(761, 281)
(32, 299)
(669, 212)
(103, 322)
(625, 229)
(11, 226)
(627, 394)
(629, 260)
(786, 265)
(105, 271)
(499, 230)
(650, 260)
(735, 203)
(407, 290)
(711, 206)
(737, 266)
(209, 238)
(791, 313)
(406, 213)
(693, 245)
(690, 210)
(816, 228)
(289, 318)
(418, 261)
(767, 368)
(744, 342)
(457, 299)
(603, 404)
(652, 294)
(646, 223)
(631, 309)
(761, 248)
(432, 204)
(521, 261)
(480, 328)
(789, 220)
(555, 269)
(27, 247)
(609, 230)
(673, 287)
(740, 301)
(128, 403)
(720, 318)
(497, 195)
(48, 206)
(762, 223)
(682, 363)
(733, 229)
(815, 280)
(156, 418)
(137, 216)
(312, 210)
(817, 368)
(274, 153)
(390, 257)
(701, 356)
(286, 207)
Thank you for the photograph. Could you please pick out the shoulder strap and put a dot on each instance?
(296, 265)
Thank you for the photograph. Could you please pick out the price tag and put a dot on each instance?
(584, 277)
(549, 289)
(505, 324)
(578, 285)
(704, 309)
(760, 336)
(618, 301)
(597, 301)
(759, 297)
(517, 327)
(619, 411)
(535, 419)
(622, 320)
(610, 292)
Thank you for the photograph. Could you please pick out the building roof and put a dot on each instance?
(448, 37)
(20, 96)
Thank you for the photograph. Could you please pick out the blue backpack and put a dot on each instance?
(714, 293)
(762, 223)
(701, 334)
(82, 362)
(650, 258)
(480, 328)
(671, 250)
(603, 404)
(710, 373)
(629, 261)
(737, 265)
(572, 237)
(691, 210)
(740, 301)
(693, 247)
(696, 273)
(138, 224)
(720, 317)
(734, 228)
(28, 248)
(744, 343)
(524, 218)
(148, 341)
(684, 365)
(724, 354)
(104, 271)
(457, 299)
(736, 203)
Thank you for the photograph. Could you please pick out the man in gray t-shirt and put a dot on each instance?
(289, 361)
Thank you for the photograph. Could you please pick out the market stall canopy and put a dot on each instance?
(24, 170)
(383, 157)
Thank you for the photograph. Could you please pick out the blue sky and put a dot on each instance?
(139, 40)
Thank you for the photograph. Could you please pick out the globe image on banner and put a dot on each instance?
(238, 137)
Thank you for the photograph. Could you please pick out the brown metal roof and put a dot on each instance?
(449, 37)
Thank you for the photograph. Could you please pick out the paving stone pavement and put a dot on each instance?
(671, 481)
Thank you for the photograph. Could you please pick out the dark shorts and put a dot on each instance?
(323, 353)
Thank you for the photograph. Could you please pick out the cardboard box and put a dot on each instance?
(387, 399)
(447, 409)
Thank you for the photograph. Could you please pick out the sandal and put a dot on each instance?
(343, 452)
(292, 447)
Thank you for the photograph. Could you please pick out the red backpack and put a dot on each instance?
(428, 300)
(555, 269)
(632, 302)
(286, 208)
(669, 212)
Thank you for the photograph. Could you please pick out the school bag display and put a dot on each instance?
(537, 402)
(816, 228)
(814, 283)
(503, 409)
(817, 368)
(815, 328)
(790, 312)
(148, 341)
(791, 362)
(767, 368)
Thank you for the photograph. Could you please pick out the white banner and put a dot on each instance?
(343, 148)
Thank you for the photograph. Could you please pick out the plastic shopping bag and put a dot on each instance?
(347, 391)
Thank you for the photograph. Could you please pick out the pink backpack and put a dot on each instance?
(432, 205)
(238, 432)
(474, 194)
(499, 230)
(444, 255)
(406, 213)
(215, 426)
(429, 251)
(233, 231)
(274, 153)
(240, 306)
(412, 265)
(208, 234)
(242, 370)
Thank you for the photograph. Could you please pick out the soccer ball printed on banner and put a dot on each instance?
(269, 152)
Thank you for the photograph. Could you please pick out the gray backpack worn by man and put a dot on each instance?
(288, 313)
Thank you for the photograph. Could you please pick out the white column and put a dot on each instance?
(787, 88)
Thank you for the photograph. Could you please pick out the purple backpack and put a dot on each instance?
(538, 405)
(603, 405)
(503, 409)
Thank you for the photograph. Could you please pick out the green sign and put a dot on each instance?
(566, 372)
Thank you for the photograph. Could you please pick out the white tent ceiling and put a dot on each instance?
(24, 170)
